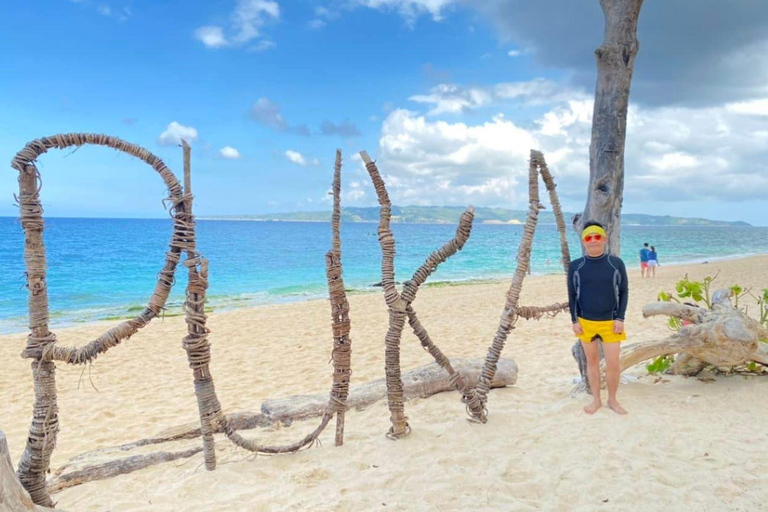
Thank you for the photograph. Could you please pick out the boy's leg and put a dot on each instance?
(592, 352)
(613, 375)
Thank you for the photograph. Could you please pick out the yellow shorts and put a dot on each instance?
(602, 328)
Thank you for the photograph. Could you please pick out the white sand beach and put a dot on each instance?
(687, 444)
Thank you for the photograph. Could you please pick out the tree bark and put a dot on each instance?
(13, 497)
(615, 62)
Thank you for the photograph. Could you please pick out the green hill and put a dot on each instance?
(451, 214)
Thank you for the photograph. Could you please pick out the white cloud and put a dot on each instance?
(672, 161)
(455, 99)
(453, 163)
(409, 9)
(212, 37)
(672, 154)
(299, 159)
(354, 193)
(557, 120)
(175, 132)
(295, 157)
(757, 107)
(229, 153)
(244, 26)
(250, 15)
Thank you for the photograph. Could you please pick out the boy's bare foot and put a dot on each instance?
(616, 407)
(595, 405)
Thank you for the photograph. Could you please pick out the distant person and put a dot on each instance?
(653, 262)
(597, 296)
(644, 259)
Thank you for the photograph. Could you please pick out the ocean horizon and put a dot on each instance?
(101, 268)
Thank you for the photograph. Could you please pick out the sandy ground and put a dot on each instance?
(686, 443)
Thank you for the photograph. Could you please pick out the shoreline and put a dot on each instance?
(176, 310)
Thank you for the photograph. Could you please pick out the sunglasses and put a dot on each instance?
(596, 238)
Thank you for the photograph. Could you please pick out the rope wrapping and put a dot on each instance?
(478, 398)
(399, 304)
(41, 344)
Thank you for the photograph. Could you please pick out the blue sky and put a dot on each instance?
(449, 97)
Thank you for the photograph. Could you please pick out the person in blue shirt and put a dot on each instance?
(598, 292)
(644, 252)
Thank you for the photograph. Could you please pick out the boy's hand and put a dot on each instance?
(577, 330)
(618, 327)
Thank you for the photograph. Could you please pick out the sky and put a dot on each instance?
(448, 96)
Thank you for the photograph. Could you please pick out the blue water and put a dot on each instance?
(104, 268)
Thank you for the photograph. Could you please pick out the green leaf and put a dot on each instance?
(660, 364)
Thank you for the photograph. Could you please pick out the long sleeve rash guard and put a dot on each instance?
(597, 288)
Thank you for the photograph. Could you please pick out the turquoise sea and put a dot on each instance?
(106, 268)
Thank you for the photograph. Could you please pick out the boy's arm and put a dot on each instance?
(571, 295)
(623, 292)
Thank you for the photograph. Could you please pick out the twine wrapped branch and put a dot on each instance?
(41, 343)
(399, 305)
(342, 344)
(477, 399)
(212, 419)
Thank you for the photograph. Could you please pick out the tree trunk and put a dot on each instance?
(13, 497)
(615, 62)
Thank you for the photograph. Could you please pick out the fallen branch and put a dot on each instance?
(115, 468)
(683, 311)
(421, 382)
(721, 336)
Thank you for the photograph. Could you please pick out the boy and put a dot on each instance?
(597, 295)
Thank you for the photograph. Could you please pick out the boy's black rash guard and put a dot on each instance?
(597, 288)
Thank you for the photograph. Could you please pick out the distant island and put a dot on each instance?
(451, 214)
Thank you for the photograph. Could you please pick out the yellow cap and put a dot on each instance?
(593, 230)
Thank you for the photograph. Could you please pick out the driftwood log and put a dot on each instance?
(721, 336)
(13, 497)
(420, 382)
